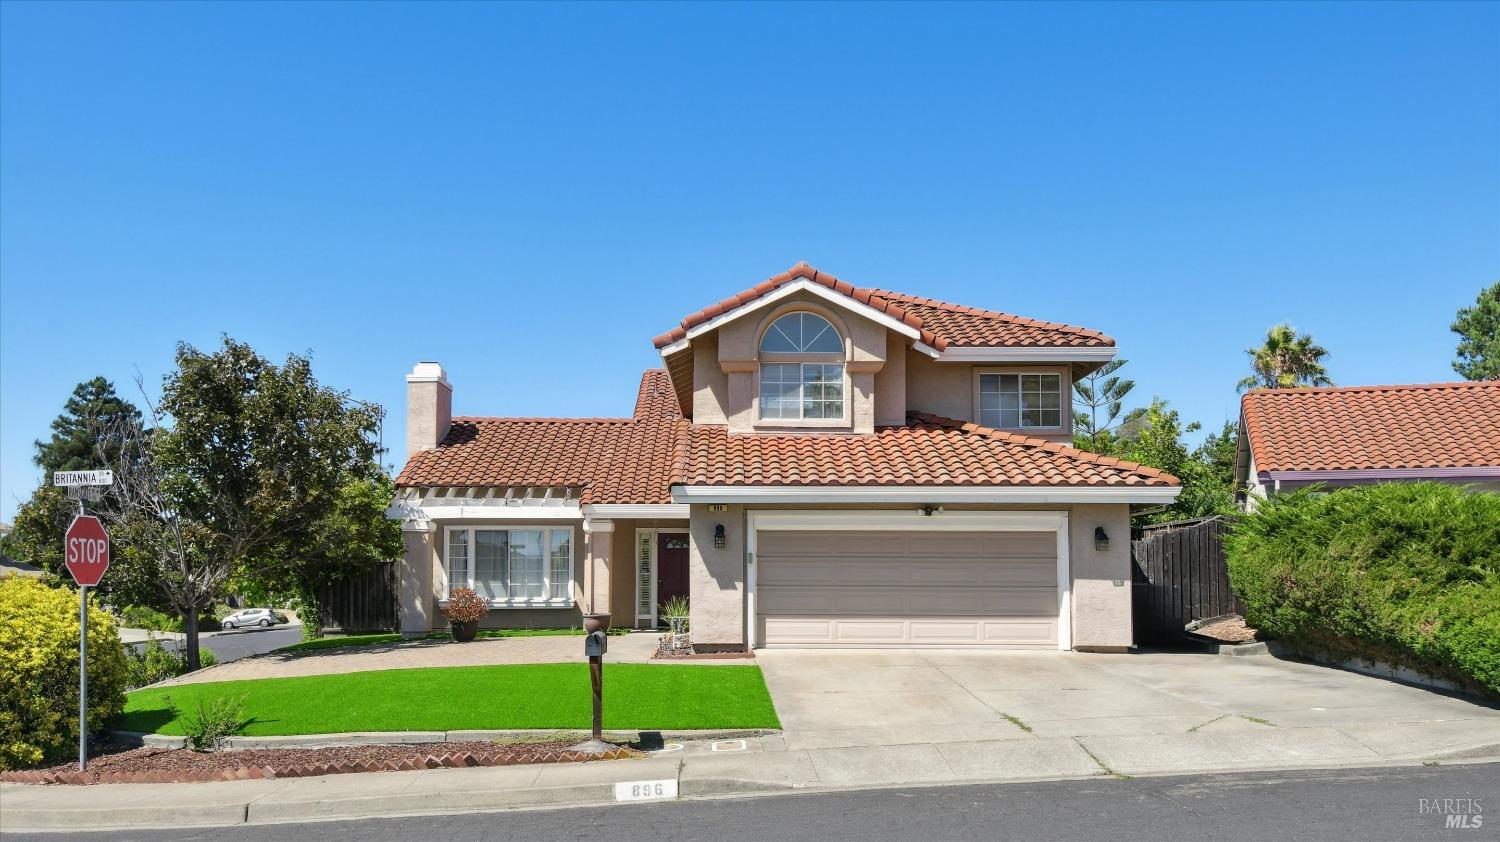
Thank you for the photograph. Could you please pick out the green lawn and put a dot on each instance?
(636, 696)
(373, 639)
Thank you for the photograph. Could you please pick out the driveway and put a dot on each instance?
(1147, 711)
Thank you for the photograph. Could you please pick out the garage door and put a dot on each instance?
(840, 588)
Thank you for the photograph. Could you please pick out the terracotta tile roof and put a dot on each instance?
(1436, 425)
(805, 272)
(613, 460)
(939, 323)
(971, 327)
(930, 450)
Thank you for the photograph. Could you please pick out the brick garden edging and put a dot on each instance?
(451, 760)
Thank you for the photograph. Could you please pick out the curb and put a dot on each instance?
(355, 738)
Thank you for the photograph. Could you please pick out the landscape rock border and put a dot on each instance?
(450, 760)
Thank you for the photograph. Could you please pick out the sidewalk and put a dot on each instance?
(740, 767)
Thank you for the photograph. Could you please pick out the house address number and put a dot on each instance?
(646, 790)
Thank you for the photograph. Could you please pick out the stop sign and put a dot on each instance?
(86, 550)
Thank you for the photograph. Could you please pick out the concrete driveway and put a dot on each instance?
(1145, 712)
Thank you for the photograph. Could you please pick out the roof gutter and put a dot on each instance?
(1159, 494)
(1477, 473)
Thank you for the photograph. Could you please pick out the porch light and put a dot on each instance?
(719, 536)
(1101, 539)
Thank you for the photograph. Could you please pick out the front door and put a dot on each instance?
(671, 566)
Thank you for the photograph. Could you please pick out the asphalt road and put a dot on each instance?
(1362, 805)
(233, 645)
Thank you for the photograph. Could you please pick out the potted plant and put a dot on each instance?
(464, 610)
(675, 612)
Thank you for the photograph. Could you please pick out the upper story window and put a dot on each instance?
(1019, 401)
(802, 369)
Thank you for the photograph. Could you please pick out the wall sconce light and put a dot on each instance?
(719, 536)
(1101, 539)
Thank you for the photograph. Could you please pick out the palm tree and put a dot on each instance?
(1287, 359)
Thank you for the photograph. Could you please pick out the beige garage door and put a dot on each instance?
(907, 589)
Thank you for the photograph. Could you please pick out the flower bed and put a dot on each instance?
(163, 765)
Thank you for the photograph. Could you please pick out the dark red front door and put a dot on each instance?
(671, 566)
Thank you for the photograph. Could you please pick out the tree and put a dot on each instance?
(1153, 436)
(81, 434)
(1098, 398)
(36, 535)
(1286, 360)
(1478, 355)
(259, 467)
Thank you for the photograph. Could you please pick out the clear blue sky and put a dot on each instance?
(529, 193)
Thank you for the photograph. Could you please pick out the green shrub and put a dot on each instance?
(154, 662)
(142, 617)
(216, 720)
(39, 672)
(1408, 573)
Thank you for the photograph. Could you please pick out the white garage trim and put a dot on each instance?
(911, 521)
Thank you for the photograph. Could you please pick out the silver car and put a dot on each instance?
(263, 617)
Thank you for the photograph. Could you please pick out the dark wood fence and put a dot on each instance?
(362, 603)
(1180, 576)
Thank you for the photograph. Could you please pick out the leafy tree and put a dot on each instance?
(1153, 436)
(1216, 454)
(259, 468)
(1286, 360)
(1478, 355)
(36, 535)
(81, 435)
(1098, 398)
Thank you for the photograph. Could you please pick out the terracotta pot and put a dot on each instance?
(464, 632)
(595, 622)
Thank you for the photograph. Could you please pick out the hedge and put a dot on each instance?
(39, 671)
(1406, 573)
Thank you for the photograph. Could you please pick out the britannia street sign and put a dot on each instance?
(71, 478)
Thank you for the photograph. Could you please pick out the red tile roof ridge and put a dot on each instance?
(904, 298)
(806, 272)
(1044, 444)
(1376, 387)
(490, 419)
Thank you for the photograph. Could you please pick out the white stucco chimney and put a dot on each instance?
(429, 407)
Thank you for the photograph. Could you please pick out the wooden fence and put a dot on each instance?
(362, 603)
(1180, 575)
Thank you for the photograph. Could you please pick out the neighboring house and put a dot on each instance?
(816, 465)
(1357, 435)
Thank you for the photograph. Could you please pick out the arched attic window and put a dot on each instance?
(801, 369)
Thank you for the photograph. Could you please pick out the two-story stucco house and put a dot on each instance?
(816, 464)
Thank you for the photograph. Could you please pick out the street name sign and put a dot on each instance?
(70, 478)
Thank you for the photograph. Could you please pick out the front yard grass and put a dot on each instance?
(636, 697)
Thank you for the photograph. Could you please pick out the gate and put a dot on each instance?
(365, 602)
(1180, 575)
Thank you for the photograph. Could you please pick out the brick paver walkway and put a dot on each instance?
(632, 648)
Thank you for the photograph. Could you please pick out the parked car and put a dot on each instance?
(263, 617)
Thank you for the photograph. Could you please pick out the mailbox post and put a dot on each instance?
(595, 644)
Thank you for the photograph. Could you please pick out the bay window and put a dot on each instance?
(1020, 401)
(524, 566)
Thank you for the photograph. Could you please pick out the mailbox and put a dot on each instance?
(595, 644)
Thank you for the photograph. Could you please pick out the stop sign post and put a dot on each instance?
(86, 555)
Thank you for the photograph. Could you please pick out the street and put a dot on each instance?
(232, 645)
(1360, 805)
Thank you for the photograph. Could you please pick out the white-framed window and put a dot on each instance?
(1021, 400)
(802, 369)
(519, 566)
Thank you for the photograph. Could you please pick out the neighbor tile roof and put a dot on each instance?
(929, 450)
(1436, 425)
(938, 323)
(613, 460)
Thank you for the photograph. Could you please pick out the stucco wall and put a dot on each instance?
(716, 578)
(1101, 578)
(415, 601)
(890, 383)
